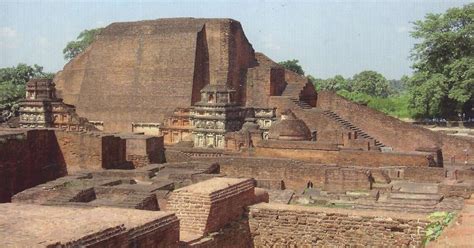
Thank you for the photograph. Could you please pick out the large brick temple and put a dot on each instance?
(176, 133)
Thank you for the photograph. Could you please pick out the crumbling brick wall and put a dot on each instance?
(298, 226)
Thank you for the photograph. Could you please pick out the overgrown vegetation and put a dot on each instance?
(438, 221)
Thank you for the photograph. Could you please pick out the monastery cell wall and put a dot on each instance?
(295, 226)
(28, 159)
(90, 151)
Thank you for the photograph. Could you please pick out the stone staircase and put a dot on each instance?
(292, 91)
(348, 125)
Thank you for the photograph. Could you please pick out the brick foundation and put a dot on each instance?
(298, 226)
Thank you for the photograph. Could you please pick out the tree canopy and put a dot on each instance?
(443, 82)
(13, 80)
(293, 65)
(85, 38)
(371, 83)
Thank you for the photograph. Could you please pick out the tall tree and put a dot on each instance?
(443, 81)
(85, 38)
(293, 65)
(13, 80)
(371, 83)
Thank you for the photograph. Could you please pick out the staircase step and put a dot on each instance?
(410, 187)
(416, 196)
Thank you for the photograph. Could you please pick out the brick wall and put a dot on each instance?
(28, 158)
(400, 135)
(345, 179)
(210, 205)
(430, 175)
(344, 157)
(297, 226)
(295, 175)
(91, 151)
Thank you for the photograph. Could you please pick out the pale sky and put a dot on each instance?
(327, 37)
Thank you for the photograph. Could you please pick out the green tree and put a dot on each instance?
(443, 81)
(85, 38)
(293, 65)
(13, 80)
(371, 83)
(336, 83)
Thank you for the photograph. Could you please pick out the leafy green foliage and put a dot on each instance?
(293, 65)
(13, 80)
(371, 83)
(396, 105)
(85, 38)
(443, 82)
(438, 221)
(336, 83)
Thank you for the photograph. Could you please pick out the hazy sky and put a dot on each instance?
(328, 37)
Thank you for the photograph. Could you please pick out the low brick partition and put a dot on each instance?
(210, 205)
(345, 157)
(280, 225)
(25, 225)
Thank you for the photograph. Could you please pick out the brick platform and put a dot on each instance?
(23, 225)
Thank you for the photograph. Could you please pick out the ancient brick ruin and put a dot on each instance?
(175, 133)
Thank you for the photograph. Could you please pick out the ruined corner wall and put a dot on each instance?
(90, 151)
(28, 158)
(264, 80)
(210, 205)
(289, 225)
(144, 150)
(392, 132)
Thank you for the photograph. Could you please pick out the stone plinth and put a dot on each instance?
(210, 205)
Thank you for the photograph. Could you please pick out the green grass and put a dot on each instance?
(438, 221)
